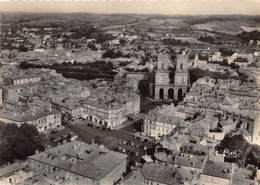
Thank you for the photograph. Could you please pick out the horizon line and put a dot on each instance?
(136, 7)
(143, 14)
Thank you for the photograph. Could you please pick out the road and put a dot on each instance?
(122, 140)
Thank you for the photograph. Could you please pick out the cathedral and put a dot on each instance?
(162, 87)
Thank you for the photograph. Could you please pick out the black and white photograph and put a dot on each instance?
(130, 92)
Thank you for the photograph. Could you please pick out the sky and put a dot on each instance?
(167, 7)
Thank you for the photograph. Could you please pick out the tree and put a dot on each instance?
(92, 46)
(225, 52)
(113, 54)
(247, 36)
(122, 42)
(18, 142)
(98, 140)
(173, 42)
(234, 66)
(32, 134)
(102, 37)
(207, 39)
(22, 48)
(196, 73)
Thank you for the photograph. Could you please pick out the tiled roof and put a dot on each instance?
(91, 161)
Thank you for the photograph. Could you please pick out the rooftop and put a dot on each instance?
(217, 169)
(164, 114)
(165, 174)
(28, 115)
(89, 160)
(162, 156)
(6, 171)
(192, 161)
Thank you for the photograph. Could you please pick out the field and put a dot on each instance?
(225, 24)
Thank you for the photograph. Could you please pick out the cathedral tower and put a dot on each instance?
(161, 87)
(182, 78)
(161, 76)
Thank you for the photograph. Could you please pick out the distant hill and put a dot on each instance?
(227, 24)
(231, 25)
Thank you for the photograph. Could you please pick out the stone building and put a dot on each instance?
(43, 119)
(23, 79)
(80, 163)
(14, 174)
(162, 86)
(161, 121)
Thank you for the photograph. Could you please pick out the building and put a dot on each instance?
(190, 162)
(162, 86)
(105, 107)
(158, 123)
(43, 119)
(78, 91)
(241, 59)
(1, 97)
(163, 119)
(256, 132)
(112, 111)
(216, 57)
(111, 106)
(215, 173)
(134, 79)
(14, 174)
(159, 174)
(21, 80)
(70, 108)
(244, 176)
(81, 163)
(199, 61)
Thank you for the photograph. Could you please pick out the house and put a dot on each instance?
(81, 163)
(158, 174)
(111, 107)
(157, 125)
(215, 173)
(43, 119)
(70, 108)
(21, 80)
(14, 174)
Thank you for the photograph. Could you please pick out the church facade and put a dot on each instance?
(162, 87)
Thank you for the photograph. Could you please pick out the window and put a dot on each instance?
(184, 80)
(180, 79)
